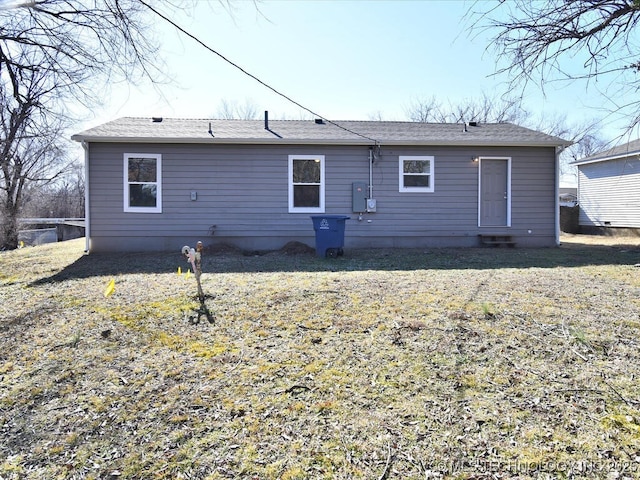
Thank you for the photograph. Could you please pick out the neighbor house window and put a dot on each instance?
(416, 174)
(306, 183)
(142, 183)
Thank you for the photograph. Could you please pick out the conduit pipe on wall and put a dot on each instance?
(370, 172)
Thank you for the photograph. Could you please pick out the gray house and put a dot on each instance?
(159, 183)
(609, 188)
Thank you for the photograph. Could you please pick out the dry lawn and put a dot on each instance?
(417, 364)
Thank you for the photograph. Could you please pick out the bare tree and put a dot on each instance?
(425, 110)
(231, 109)
(53, 53)
(486, 109)
(31, 151)
(76, 41)
(542, 40)
(585, 137)
(63, 198)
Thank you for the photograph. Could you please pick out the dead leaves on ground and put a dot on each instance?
(317, 374)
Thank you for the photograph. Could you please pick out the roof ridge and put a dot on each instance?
(292, 120)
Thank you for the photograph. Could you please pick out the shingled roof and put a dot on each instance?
(621, 151)
(211, 131)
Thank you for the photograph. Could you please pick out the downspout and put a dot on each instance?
(559, 150)
(87, 218)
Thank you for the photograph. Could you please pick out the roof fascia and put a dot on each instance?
(279, 141)
(606, 159)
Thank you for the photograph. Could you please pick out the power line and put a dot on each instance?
(196, 39)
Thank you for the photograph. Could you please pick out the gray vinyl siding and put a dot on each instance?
(609, 193)
(243, 191)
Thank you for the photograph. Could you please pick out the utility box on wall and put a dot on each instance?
(359, 197)
(372, 205)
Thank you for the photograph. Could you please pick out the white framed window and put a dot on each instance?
(306, 183)
(143, 182)
(416, 173)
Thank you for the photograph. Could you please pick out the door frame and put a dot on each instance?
(508, 160)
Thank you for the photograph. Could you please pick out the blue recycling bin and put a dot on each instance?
(329, 234)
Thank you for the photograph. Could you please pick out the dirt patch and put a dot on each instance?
(291, 248)
(296, 248)
(222, 249)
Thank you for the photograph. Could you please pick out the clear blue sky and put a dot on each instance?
(345, 60)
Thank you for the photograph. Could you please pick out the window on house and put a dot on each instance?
(142, 183)
(416, 174)
(306, 183)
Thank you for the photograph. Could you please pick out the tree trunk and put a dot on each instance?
(10, 229)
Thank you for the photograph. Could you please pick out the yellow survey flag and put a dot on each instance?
(179, 270)
(188, 274)
(110, 288)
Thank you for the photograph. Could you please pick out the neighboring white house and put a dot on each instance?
(609, 187)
